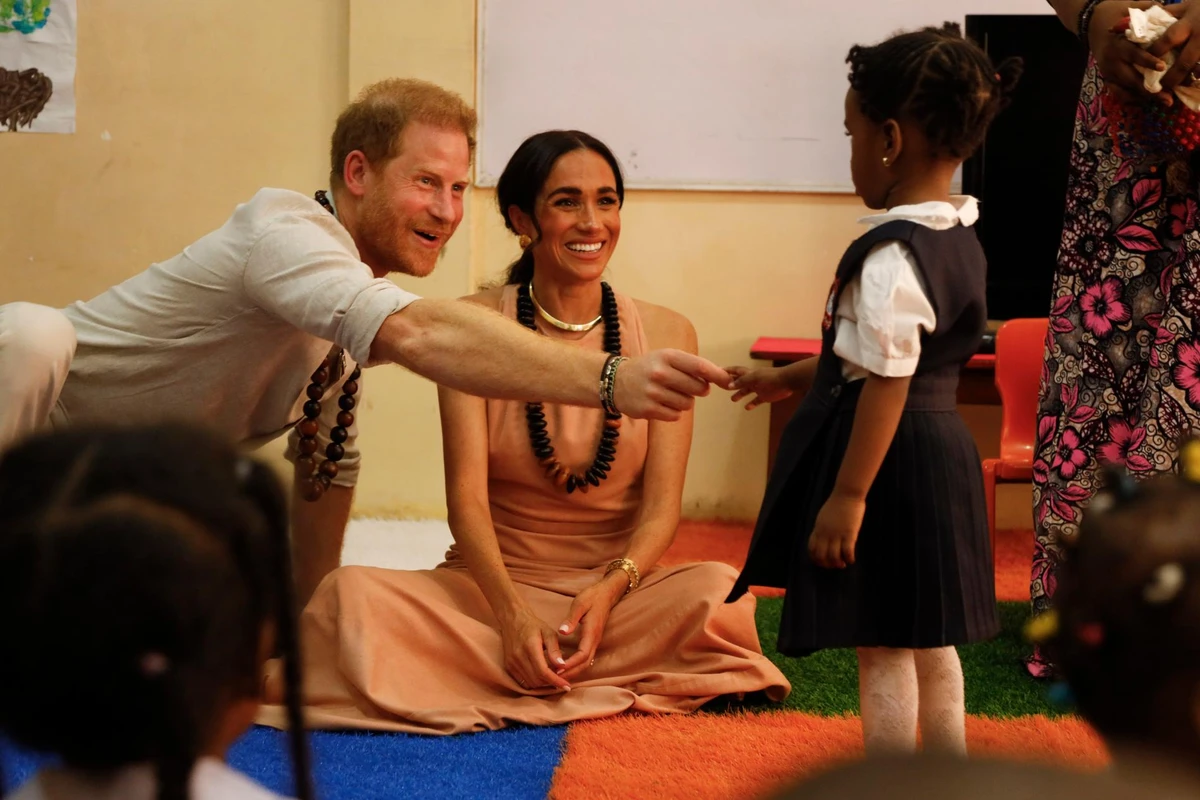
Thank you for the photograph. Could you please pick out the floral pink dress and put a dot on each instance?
(1121, 378)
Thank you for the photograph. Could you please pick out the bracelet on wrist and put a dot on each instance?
(630, 569)
(1084, 20)
(608, 385)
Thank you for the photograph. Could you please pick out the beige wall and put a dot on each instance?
(186, 108)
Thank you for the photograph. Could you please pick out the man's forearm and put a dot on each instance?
(475, 350)
(318, 531)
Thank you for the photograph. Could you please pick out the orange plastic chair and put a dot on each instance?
(1020, 349)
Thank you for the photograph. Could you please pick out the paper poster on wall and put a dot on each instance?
(37, 66)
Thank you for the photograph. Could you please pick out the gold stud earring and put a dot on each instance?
(886, 162)
(524, 241)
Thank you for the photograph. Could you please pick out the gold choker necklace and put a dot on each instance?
(558, 323)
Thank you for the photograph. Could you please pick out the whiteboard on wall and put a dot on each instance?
(690, 94)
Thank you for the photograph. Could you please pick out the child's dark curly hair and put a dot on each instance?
(1127, 639)
(938, 80)
(139, 568)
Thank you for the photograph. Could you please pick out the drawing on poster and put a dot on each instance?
(24, 16)
(37, 66)
(23, 95)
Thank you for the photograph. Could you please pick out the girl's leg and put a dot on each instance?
(887, 690)
(941, 712)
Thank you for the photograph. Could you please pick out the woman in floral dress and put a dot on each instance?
(1121, 378)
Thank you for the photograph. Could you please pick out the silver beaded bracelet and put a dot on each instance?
(608, 383)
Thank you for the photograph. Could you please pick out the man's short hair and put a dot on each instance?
(374, 121)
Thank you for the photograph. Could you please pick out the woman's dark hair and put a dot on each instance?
(525, 176)
(1128, 608)
(139, 569)
(941, 82)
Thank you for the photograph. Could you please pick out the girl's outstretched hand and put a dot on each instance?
(765, 383)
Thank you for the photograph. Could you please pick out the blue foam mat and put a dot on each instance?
(517, 763)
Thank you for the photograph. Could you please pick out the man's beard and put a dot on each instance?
(381, 246)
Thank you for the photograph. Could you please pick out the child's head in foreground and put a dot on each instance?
(1127, 608)
(144, 580)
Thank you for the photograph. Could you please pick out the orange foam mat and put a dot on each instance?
(727, 542)
(747, 755)
(1014, 560)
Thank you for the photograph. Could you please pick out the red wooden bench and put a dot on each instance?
(976, 387)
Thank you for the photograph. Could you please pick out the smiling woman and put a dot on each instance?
(549, 606)
(542, 197)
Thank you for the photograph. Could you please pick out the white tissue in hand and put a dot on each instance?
(1146, 25)
(1145, 28)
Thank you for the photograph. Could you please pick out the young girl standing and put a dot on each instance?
(874, 517)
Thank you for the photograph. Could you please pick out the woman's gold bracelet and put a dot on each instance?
(630, 569)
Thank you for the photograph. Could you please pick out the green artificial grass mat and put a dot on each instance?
(995, 679)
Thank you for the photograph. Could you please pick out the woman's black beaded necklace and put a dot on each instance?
(535, 416)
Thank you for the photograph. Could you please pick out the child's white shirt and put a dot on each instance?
(883, 311)
(211, 780)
